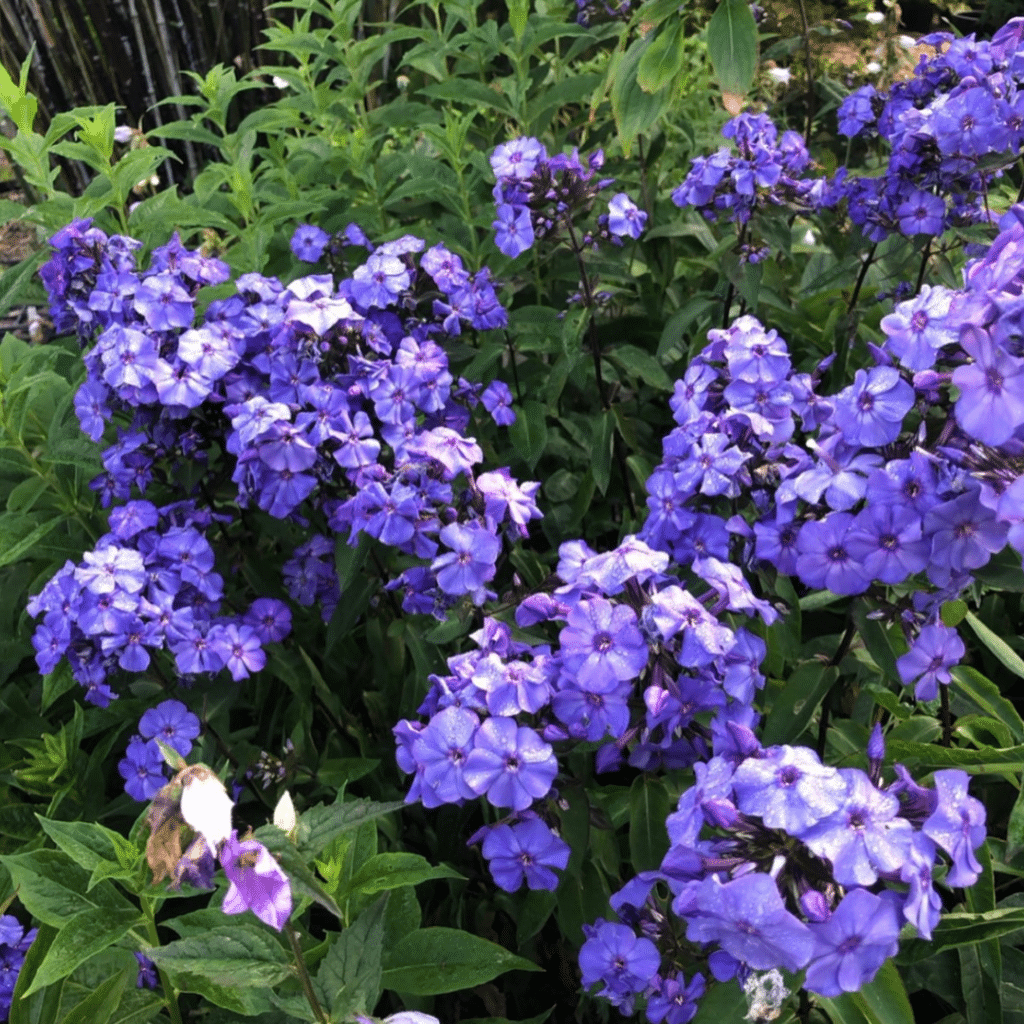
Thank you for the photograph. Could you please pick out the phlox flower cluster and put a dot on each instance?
(763, 171)
(14, 942)
(779, 861)
(949, 129)
(148, 585)
(142, 767)
(543, 197)
(330, 399)
(653, 668)
(890, 479)
(589, 10)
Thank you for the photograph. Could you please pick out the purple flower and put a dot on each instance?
(509, 763)
(824, 560)
(865, 836)
(861, 934)
(142, 769)
(147, 976)
(513, 230)
(518, 158)
(602, 645)
(616, 957)
(749, 920)
(173, 724)
(470, 562)
(257, 882)
(937, 649)
(991, 403)
(675, 1002)
(308, 243)
(625, 218)
(526, 850)
(439, 755)
(497, 400)
(957, 825)
(14, 944)
(789, 788)
(870, 412)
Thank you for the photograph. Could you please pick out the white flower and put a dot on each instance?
(780, 75)
(279, 82)
(123, 134)
(809, 238)
(205, 805)
(284, 814)
(907, 42)
(873, 67)
(410, 1017)
(874, 17)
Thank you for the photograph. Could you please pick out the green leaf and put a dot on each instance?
(634, 110)
(24, 547)
(239, 956)
(663, 59)
(1005, 654)
(321, 825)
(433, 961)
(953, 613)
(791, 710)
(387, 871)
(882, 1001)
(601, 449)
(649, 806)
(83, 936)
(518, 16)
(55, 889)
(964, 929)
(43, 1007)
(988, 697)
(732, 46)
(90, 844)
(351, 971)
(980, 761)
(1015, 829)
(529, 433)
(99, 1006)
(642, 365)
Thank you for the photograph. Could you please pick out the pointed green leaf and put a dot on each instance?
(663, 59)
(239, 956)
(99, 1006)
(44, 1006)
(387, 871)
(433, 961)
(649, 806)
(997, 645)
(732, 46)
(351, 971)
(55, 889)
(83, 936)
(321, 825)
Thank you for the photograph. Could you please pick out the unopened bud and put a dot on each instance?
(284, 814)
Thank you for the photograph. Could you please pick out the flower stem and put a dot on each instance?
(170, 996)
(307, 981)
(947, 720)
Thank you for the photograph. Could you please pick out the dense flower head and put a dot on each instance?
(147, 586)
(328, 399)
(950, 129)
(538, 196)
(765, 171)
(779, 861)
